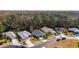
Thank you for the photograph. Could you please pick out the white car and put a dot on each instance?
(58, 38)
(62, 36)
(77, 37)
(42, 39)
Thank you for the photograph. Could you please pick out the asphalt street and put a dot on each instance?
(45, 43)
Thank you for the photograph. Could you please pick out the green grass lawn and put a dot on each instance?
(4, 43)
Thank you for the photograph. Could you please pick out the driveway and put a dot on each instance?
(15, 42)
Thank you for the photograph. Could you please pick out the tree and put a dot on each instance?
(73, 23)
(2, 28)
(78, 44)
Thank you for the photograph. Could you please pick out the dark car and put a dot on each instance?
(58, 39)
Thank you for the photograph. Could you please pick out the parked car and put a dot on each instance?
(63, 36)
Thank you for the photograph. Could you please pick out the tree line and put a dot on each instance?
(29, 21)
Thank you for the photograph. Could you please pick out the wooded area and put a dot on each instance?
(30, 20)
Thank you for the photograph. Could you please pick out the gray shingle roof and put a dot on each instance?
(11, 34)
(24, 34)
(73, 29)
(38, 33)
(46, 29)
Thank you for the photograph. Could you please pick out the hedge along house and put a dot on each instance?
(46, 29)
(24, 35)
(12, 36)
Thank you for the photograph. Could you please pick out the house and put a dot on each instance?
(74, 30)
(10, 34)
(60, 30)
(38, 33)
(25, 38)
(46, 29)
(24, 34)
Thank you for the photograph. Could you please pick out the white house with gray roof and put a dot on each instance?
(12, 36)
(38, 33)
(46, 29)
(24, 34)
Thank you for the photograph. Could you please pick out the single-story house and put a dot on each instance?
(60, 29)
(38, 33)
(10, 34)
(24, 34)
(46, 29)
(74, 30)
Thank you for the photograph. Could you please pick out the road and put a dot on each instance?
(14, 46)
(37, 46)
(45, 43)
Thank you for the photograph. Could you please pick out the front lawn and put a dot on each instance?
(65, 44)
(49, 36)
(4, 43)
(35, 40)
